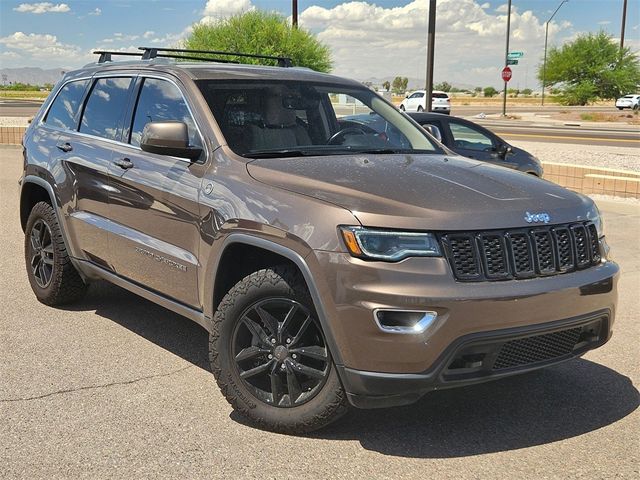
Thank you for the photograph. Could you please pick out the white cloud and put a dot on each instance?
(503, 8)
(42, 7)
(367, 40)
(216, 9)
(97, 12)
(148, 34)
(485, 5)
(604, 22)
(39, 45)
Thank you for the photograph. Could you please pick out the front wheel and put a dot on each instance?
(420, 109)
(402, 107)
(269, 354)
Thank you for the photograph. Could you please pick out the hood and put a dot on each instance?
(424, 192)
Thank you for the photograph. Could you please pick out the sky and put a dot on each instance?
(368, 39)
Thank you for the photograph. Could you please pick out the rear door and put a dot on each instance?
(153, 201)
(85, 156)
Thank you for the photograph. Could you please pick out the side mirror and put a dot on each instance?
(503, 150)
(168, 138)
(434, 131)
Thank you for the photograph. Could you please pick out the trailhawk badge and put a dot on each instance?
(537, 217)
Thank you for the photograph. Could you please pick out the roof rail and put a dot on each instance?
(149, 53)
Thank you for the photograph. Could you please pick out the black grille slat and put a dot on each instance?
(562, 237)
(520, 254)
(536, 349)
(594, 243)
(463, 256)
(494, 255)
(581, 245)
(544, 252)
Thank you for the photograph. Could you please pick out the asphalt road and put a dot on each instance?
(117, 387)
(19, 108)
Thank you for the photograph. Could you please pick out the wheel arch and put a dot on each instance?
(273, 254)
(35, 189)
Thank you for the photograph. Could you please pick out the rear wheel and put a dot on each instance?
(420, 109)
(52, 276)
(402, 107)
(270, 357)
(620, 108)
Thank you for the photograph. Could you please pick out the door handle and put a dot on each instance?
(123, 163)
(65, 147)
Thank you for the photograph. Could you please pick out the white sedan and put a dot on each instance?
(628, 101)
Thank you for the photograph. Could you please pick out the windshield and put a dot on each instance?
(284, 118)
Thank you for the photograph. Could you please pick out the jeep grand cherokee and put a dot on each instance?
(331, 265)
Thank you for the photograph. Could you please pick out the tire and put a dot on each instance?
(420, 109)
(620, 108)
(402, 107)
(52, 276)
(313, 407)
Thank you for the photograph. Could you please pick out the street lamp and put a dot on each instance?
(546, 36)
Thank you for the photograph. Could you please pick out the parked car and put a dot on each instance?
(474, 141)
(417, 102)
(628, 101)
(331, 265)
(461, 136)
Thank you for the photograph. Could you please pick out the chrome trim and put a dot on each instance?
(421, 326)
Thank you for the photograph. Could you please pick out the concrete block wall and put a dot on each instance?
(11, 135)
(604, 181)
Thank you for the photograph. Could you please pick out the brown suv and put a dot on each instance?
(331, 264)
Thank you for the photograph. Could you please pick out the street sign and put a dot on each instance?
(515, 54)
(506, 74)
(512, 61)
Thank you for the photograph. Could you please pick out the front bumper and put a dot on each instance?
(401, 368)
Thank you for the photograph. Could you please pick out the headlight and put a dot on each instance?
(388, 245)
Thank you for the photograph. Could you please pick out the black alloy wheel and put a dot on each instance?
(42, 260)
(280, 352)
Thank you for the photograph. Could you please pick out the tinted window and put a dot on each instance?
(440, 95)
(417, 95)
(161, 101)
(105, 106)
(64, 110)
(469, 138)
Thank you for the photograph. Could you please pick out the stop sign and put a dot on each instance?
(506, 74)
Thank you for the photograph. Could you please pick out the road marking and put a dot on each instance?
(598, 139)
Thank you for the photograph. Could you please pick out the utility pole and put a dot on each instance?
(624, 21)
(506, 57)
(431, 44)
(546, 36)
(294, 13)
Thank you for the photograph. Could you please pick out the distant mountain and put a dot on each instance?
(31, 75)
(415, 83)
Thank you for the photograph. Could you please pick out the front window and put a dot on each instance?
(280, 118)
(469, 138)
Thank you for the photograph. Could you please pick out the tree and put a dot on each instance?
(591, 67)
(260, 32)
(386, 85)
(443, 86)
(527, 91)
(399, 85)
(490, 91)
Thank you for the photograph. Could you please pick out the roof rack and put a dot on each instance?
(148, 53)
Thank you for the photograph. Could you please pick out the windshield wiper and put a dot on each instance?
(277, 153)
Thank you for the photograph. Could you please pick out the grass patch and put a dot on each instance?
(23, 94)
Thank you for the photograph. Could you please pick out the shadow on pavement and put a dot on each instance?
(542, 407)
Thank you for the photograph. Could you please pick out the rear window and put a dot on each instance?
(105, 107)
(64, 109)
(440, 95)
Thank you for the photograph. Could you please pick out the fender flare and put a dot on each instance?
(302, 265)
(41, 182)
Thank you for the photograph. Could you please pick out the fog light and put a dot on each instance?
(404, 321)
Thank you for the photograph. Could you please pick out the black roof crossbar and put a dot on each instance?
(105, 55)
(152, 52)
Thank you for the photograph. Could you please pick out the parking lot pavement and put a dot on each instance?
(116, 387)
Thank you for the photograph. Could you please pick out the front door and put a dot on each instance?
(153, 201)
(472, 142)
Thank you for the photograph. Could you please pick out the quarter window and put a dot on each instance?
(469, 138)
(104, 110)
(161, 101)
(64, 109)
